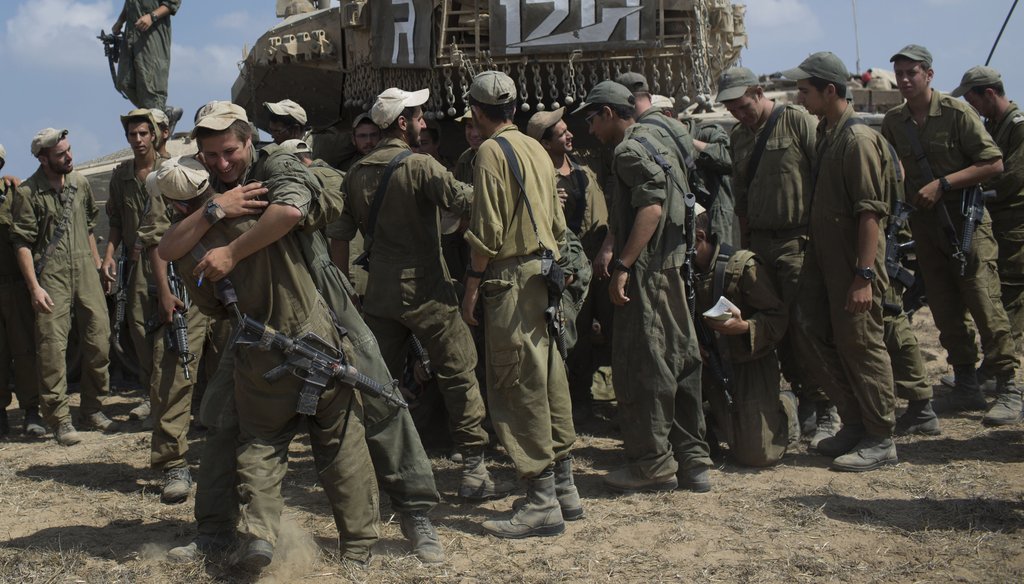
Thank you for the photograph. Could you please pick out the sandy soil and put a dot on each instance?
(950, 511)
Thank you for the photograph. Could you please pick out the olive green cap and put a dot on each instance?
(734, 83)
(634, 81)
(607, 93)
(914, 53)
(47, 138)
(493, 88)
(979, 76)
(823, 65)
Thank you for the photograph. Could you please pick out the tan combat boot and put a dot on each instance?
(477, 482)
(541, 516)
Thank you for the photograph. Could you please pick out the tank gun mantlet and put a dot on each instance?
(300, 38)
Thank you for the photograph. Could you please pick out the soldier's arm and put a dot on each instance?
(108, 271)
(977, 145)
(769, 317)
(1011, 182)
(714, 150)
(444, 190)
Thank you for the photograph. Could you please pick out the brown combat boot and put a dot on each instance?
(1007, 409)
(477, 482)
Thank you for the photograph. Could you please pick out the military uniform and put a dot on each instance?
(73, 283)
(17, 350)
(908, 373)
(146, 56)
(755, 424)
(953, 138)
(715, 166)
(655, 358)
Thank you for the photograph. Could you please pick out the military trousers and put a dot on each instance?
(17, 350)
(908, 373)
(140, 306)
(784, 255)
(656, 373)
(527, 389)
(587, 357)
(952, 296)
(1008, 227)
(850, 346)
(77, 296)
(143, 70)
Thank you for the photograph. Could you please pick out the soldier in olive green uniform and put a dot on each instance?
(749, 413)
(146, 53)
(714, 162)
(288, 302)
(656, 363)
(17, 351)
(982, 87)
(512, 226)
(409, 291)
(957, 153)
(856, 182)
(67, 285)
(773, 206)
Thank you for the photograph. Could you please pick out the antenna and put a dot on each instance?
(856, 33)
(1000, 35)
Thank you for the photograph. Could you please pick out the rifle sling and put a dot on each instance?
(762, 141)
(378, 197)
(725, 253)
(58, 233)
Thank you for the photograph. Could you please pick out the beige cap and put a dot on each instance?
(160, 117)
(493, 88)
(541, 121)
(363, 117)
(296, 147)
(389, 104)
(661, 102)
(287, 107)
(219, 115)
(139, 113)
(47, 138)
(182, 178)
(3, 154)
(206, 109)
(465, 117)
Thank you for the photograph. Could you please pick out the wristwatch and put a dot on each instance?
(154, 16)
(866, 273)
(213, 212)
(618, 265)
(944, 184)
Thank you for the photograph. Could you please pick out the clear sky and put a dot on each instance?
(54, 73)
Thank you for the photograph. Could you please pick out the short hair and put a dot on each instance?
(495, 113)
(242, 130)
(435, 134)
(139, 120)
(996, 87)
(549, 132)
(820, 84)
(407, 113)
(703, 222)
(367, 120)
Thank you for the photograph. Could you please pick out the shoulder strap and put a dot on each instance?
(660, 161)
(762, 141)
(58, 233)
(517, 172)
(684, 153)
(378, 196)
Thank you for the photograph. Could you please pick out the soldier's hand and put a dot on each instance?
(41, 301)
(617, 288)
(734, 326)
(116, 28)
(108, 271)
(217, 263)
(928, 195)
(859, 298)
(601, 262)
(167, 303)
(9, 182)
(469, 306)
(143, 23)
(563, 196)
(242, 200)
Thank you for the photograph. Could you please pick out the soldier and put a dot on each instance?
(586, 215)
(288, 302)
(54, 215)
(938, 170)
(430, 143)
(772, 149)
(515, 233)
(146, 59)
(656, 363)
(17, 352)
(463, 170)
(854, 188)
(394, 198)
(741, 371)
(287, 120)
(164, 130)
(982, 87)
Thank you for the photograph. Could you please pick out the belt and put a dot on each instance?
(781, 233)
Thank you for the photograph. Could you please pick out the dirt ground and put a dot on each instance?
(951, 511)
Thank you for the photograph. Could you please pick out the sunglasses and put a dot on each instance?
(590, 119)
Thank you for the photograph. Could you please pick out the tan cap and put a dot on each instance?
(139, 113)
(289, 108)
(218, 116)
(465, 117)
(182, 178)
(47, 138)
(734, 82)
(160, 117)
(661, 102)
(980, 76)
(634, 81)
(541, 121)
(493, 88)
(3, 154)
(296, 147)
(363, 117)
(914, 53)
(206, 109)
(389, 104)
(822, 65)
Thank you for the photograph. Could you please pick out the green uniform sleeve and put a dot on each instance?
(442, 189)
(863, 174)
(486, 230)
(716, 157)
(156, 222)
(596, 201)
(288, 183)
(740, 182)
(172, 5)
(25, 224)
(769, 318)
(92, 211)
(646, 181)
(1011, 182)
(975, 142)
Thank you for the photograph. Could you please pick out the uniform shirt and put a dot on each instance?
(641, 182)
(407, 232)
(778, 196)
(855, 174)
(136, 9)
(500, 226)
(330, 180)
(37, 211)
(1008, 132)
(463, 170)
(678, 133)
(9, 271)
(953, 138)
(750, 288)
(129, 201)
(586, 211)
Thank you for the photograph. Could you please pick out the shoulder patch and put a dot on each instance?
(1018, 119)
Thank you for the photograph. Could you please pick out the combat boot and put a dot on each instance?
(541, 516)
(870, 453)
(919, 418)
(624, 480)
(565, 491)
(5, 426)
(141, 411)
(845, 440)
(416, 527)
(98, 421)
(257, 555)
(477, 482)
(203, 545)
(1007, 408)
(695, 478)
(966, 394)
(807, 416)
(177, 485)
(173, 115)
(66, 434)
(826, 420)
(33, 423)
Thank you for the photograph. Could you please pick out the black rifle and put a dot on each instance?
(554, 278)
(973, 208)
(896, 251)
(308, 357)
(112, 51)
(125, 270)
(422, 355)
(177, 334)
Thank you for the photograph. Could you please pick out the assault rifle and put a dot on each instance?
(112, 51)
(554, 277)
(308, 357)
(422, 355)
(177, 334)
(973, 209)
(125, 270)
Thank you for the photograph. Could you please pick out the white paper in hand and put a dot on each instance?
(722, 311)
